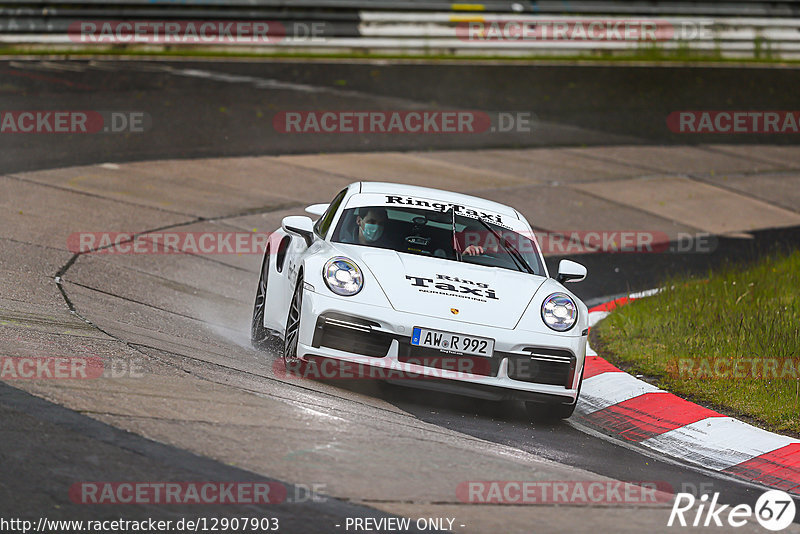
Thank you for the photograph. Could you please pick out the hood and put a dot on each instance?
(448, 289)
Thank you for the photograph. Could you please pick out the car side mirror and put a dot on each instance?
(299, 225)
(317, 209)
(570, 271)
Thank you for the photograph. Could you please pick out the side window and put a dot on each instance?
(324, 222)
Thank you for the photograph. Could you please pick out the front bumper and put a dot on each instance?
(525, 365)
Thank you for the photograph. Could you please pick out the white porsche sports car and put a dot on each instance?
(430, 288)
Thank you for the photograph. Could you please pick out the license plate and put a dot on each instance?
(449, 342)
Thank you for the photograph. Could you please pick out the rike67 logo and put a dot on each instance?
(774, 510)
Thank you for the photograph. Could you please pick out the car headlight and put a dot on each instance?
(343, 276)
(559, 312)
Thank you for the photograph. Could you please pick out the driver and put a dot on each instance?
(473, 250)
(372, 226)
(470, 250)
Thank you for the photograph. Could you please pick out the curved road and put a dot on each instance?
(207, 400)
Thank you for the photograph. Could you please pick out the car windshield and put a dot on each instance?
(440, 234)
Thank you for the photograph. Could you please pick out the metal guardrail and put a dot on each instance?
(635, 7)
(728, 36)
(423, 27)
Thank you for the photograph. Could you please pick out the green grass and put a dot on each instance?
(736, 314)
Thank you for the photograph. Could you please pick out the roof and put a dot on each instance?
(438, 194)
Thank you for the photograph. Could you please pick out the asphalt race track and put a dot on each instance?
(228, 106)
(209, 407)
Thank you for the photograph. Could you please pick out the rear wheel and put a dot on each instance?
(261, 337)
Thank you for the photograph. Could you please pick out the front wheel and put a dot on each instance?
(292, 335)
(539, 411)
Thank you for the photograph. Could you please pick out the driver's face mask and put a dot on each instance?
(372, 232)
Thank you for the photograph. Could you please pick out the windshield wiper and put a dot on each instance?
(515, 254)
(456, 245)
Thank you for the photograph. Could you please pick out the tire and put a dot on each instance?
(292, 334)
(539, 411)
(261, 337)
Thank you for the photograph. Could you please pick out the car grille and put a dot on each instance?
(554, 367)
(355, 335)
(351, 334)
(428, 357)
